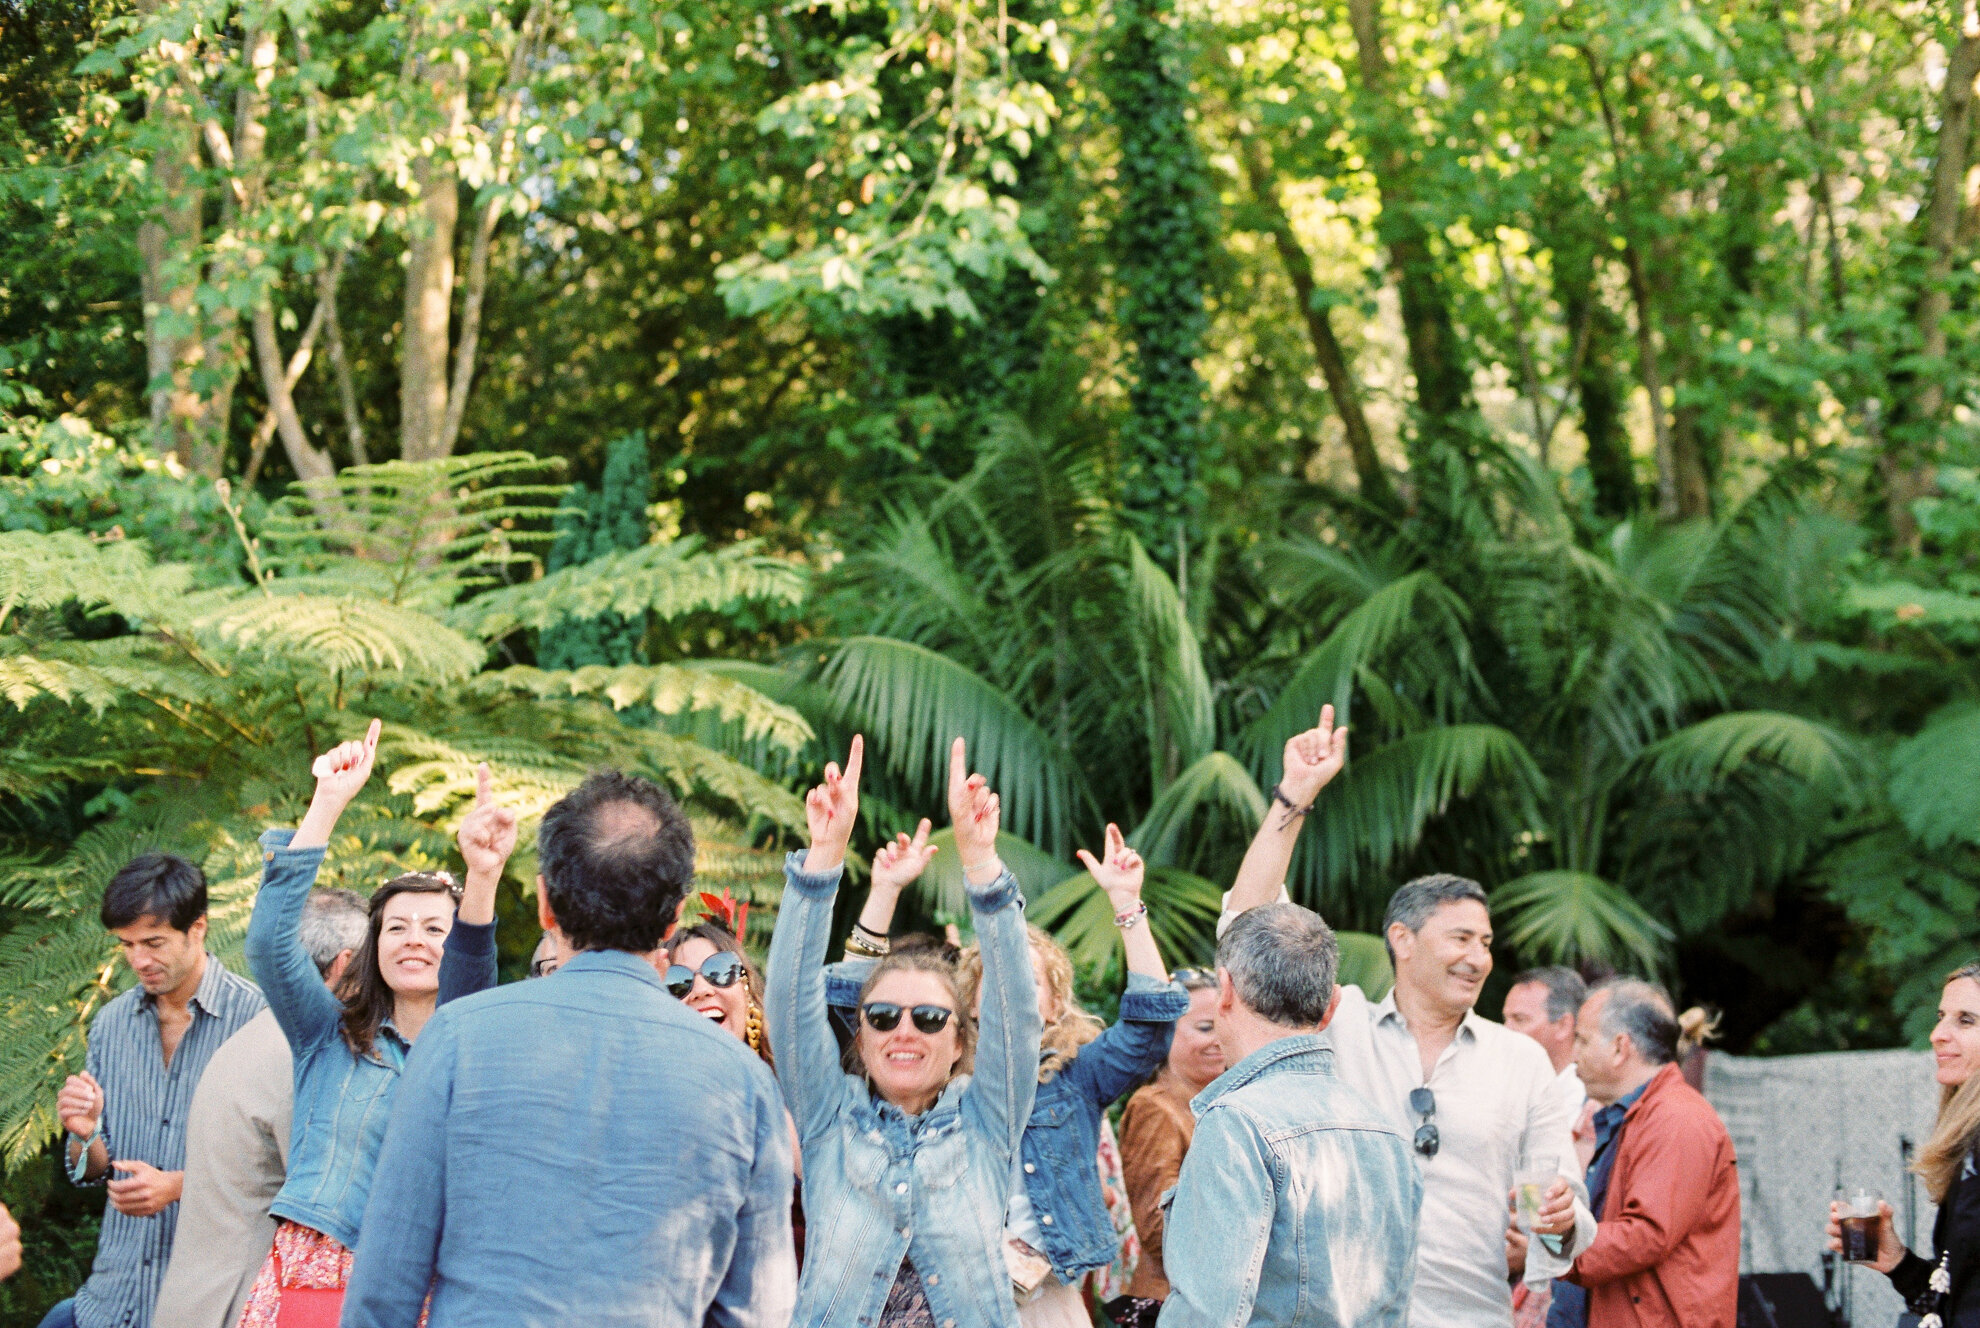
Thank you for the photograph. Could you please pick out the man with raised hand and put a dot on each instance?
(126, 1113)
(1474, 1098)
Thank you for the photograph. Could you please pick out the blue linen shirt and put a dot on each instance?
(1297, 1203)
(580, 1149)
(145, 1104)
(881, 1186)
(1569, 1306)
(342, 1099)
(1062, 1136)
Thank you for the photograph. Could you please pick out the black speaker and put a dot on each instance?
(1782, 1300)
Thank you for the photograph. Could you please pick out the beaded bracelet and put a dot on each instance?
(1131, 919)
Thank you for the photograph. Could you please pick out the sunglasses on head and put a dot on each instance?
(885, 1016)
(1424, 1103)
(1194, 975)
(720, 969)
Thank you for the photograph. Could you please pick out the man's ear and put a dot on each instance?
(679, 909)
(335, 973)
(1402, 941)
(1333, 1004)
(544, 917)
(1226, 993)
(196, 933)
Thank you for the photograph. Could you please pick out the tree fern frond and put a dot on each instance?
(40, 571)
(1567, 917)
(667, 580)
(25, 679)
(912, 703)
(349, 634)
(671, 689)
(1937, 805)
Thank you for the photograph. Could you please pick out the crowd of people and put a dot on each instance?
(911, 1134)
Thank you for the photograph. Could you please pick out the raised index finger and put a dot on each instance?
(854, 760)
(484, 785)
(958, 770)
(371, 736)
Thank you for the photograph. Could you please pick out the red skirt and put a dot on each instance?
(303, 1259)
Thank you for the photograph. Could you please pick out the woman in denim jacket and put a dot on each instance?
(1057, 1223)
(351, 1045)
(908, 1163)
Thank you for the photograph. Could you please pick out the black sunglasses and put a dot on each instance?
(721, 969)
(885, 1016)
(1424, 1103)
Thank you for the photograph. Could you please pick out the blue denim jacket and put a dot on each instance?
(580, 1150)
(1062, 1138)
(1296, 1206)
(879, 1185)
(342, 1100)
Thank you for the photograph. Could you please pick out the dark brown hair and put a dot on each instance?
(368, 1002)
(725, 941)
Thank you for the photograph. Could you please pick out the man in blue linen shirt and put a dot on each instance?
(585, 1148)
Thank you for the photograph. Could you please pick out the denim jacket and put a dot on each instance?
(1062, 1138)
(880, 1185)
(342, 1100)
(1296, 1206)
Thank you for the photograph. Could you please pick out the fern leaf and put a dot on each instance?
(671, 689)
(348, 633)
(667, 580)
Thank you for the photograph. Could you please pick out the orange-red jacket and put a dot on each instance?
(1666, 1252)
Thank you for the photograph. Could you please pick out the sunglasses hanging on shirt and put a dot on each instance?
(720, 969)
(1424, 1103)
(885, 1017)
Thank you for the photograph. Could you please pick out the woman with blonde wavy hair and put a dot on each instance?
(1057, 1230)
(1942, 1285)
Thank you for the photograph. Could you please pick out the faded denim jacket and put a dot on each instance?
(342, 1100)
(1062, 1136)
(1296, 1206)
(880, 1185)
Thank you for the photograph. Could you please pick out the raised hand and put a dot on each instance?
(976, 813)
(343, 770)
(10, 1244)
(146, 1190)
(488, 832)
(900, 861)
(1120, 873)
(1313, 758)
(79, 1106)
(831, 809)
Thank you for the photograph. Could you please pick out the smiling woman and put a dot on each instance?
(350, 1047)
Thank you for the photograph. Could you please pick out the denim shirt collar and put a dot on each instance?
(1301, 1051)
(613, 961)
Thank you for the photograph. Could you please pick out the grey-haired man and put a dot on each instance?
(1474, 1097)
(1297, 1205)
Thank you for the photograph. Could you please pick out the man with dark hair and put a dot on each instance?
(586, 1123)
(1473, 1097)
(1297, 1203)
(126, 1113)
(237, 1142)
(1664, 1179)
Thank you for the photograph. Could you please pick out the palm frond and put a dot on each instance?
(912, 703)
(1696, 759)
(1216, 793)
(1365, 963)
(1568, 917)
(1182, 913)
(941, 890)
(1930, 785)
(1169, 659)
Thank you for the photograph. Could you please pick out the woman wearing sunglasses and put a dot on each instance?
(908, 1162)
(707, 970)
(1057, 1229)
(350, 1045)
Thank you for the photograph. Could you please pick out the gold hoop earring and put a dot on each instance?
(753, 1029)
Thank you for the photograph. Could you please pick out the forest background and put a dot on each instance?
(1577, 394)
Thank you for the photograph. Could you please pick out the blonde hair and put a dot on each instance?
(1060, 1040)
(1696, 1027)
(1944, 1154)
(919, 961)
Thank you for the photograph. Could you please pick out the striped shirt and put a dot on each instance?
(144, 1118)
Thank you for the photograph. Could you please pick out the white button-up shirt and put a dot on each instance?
(1496, 1098)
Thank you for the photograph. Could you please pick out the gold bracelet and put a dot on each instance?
(865, 949)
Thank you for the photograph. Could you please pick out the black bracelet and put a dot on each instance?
(1293, 810)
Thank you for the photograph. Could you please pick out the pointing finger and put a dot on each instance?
(921, 833)
(1326, 718)
(484, 785)
(371, 735)
(1088, 859)
(958, 770)
(855, 760)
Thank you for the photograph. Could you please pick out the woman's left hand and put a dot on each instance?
(1120, 874)
(901, 860)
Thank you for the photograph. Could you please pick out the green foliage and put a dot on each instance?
(591, 525)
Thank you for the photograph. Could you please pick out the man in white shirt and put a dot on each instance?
(1474, 1097)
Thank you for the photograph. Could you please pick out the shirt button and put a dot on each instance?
(1047, 1219)
(1028, 1168)
(906, 1234)
(934, 1279)
(901, 1188)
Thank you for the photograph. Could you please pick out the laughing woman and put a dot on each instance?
(907, 1163)
(351, 1045)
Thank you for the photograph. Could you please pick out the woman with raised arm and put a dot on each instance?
(350, 1045)
(907, 1162)
(1056, 1229)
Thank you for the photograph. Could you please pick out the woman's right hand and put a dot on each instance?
(1890, 1250)
(830, 810)
(340, 773)
(900, 862)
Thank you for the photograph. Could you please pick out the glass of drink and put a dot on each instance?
(1859, 1226)
(1530, 1181)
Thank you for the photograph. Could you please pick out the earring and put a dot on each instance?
(753, 1029)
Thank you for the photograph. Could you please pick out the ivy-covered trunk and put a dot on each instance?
(1163, 238)
(591, 525)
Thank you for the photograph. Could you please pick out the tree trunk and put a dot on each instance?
(428, 310)
(168, 248)
(1597, 383)
(1910, 444)
(1327, 349)
(1443, 379)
